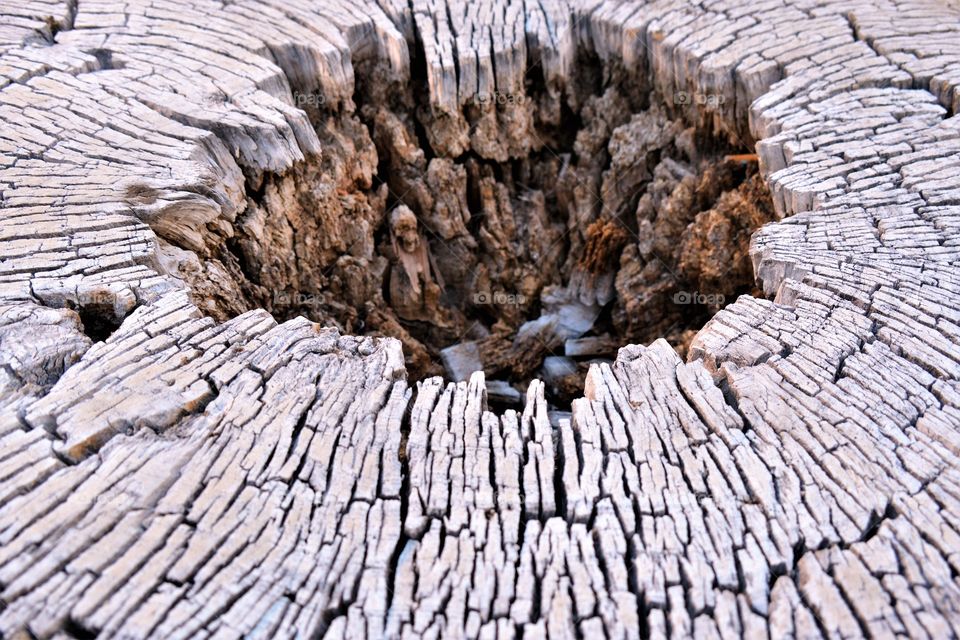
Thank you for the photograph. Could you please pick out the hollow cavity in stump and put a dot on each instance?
(529, 233)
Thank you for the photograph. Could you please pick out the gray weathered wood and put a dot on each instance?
(205, 471)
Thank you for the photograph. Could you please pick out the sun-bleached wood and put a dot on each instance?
(797, 477)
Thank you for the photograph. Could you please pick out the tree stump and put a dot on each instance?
(176, 463)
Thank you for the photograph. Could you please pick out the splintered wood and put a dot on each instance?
(208, 472)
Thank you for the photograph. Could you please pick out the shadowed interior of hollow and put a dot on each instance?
(530, 234)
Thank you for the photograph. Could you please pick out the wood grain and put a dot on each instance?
(195, 476)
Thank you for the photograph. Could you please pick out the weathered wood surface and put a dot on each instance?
(796, 478)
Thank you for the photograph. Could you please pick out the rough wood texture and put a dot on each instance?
(797, 477)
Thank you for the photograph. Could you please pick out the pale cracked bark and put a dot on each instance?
(221, 479)
(797, 477)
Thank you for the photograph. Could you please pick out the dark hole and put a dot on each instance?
(99, 321)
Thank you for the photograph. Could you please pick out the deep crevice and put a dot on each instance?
(77, 630)
(405, 492)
